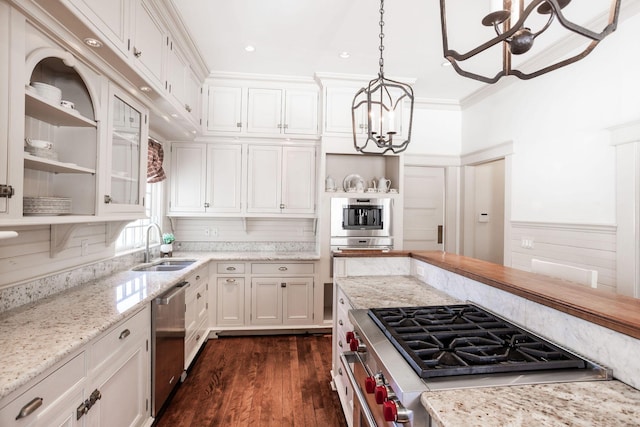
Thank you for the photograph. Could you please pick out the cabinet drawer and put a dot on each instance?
(282, 268)
(231, 268)
(124, 336)
(51, 389)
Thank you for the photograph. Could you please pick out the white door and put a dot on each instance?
(265, 175)
(265, 111)
(298, 301)
(150, 44)
(266, 301)
(489, 212)
(224, 109)
(298, 179)
(423, 221)
(301, 112)
(230, 302)
(188, 177)
(224, 178)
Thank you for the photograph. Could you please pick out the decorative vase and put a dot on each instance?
(166, 250)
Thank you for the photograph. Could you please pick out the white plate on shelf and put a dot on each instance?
(350, 182)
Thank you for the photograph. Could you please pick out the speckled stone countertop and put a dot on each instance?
(36, 336)
(595, 403)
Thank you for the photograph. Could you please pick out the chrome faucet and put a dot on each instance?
(147, 256)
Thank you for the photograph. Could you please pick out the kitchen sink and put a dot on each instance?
(165, 265)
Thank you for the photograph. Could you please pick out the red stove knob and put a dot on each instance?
(354, 344)
(370, 385)
(390, 410)
(381, 394)
(350, 335)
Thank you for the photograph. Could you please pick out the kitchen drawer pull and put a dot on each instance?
(341, 301)
(282, 268)
(231, 280)
(29, 408)
(198, 296)
(124, 334)
(198, 277)
(231, 269)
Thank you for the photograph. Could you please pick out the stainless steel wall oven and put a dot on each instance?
(360, 223)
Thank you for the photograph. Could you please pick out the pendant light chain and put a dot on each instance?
(381, 48)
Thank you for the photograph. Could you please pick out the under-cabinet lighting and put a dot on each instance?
(90, 41)
(345, 55)
(250, 48)
(145, 89)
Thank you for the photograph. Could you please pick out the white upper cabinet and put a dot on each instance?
(205, 178)
(281, 179)
(182, 83)
(262, 111)
(111, 18)
(125, 155)
(224, 106)
(149, 44)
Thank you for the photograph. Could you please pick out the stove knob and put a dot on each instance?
(390, 411)
(381, 394)
(354, 344)
(350, 335)
(370, 385)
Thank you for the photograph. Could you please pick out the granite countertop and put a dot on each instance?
(36, 336)
(594, 403)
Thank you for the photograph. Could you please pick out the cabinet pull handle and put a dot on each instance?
(231, 280)
(137, 53)
(341, 300)
(281, 205)
(339, 343)
(283, 285)
(198, 277)
(340, 322)
(286, 126)
(197, 337)
(279, 126)
(187, 107)
(206, 205)
(107, 199)
(239, 124)
(231, 269)
(198, 296)
(29, 408)
(124, 334)
(283, 268)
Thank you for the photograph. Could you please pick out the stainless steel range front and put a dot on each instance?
(399, 353)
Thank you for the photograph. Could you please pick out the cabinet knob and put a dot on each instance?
(107, 199)
(279, 126)
(281, 205)
(124, 334)
(231, 269)
(283, 285)
(207, 205)
(239, 124)
(341, 300)
(137, 53)
(198, 277)
(187, 107)
(198, 296)
(286, 126)
(340, 322)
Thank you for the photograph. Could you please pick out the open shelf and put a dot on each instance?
(48, 165)
(41, 109)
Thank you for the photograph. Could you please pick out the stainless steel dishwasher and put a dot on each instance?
(167, 343)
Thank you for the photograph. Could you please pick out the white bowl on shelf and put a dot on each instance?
(39, 143)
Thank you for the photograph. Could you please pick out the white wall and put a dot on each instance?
(436, 129)
(563, 164)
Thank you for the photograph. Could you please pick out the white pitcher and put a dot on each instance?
(384, 185)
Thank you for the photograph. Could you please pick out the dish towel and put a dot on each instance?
(155, 156)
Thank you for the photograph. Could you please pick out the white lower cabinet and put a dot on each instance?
(106, 384)
(230, 301)
(196, 314)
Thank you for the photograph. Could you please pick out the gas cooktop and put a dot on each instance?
(449, 340)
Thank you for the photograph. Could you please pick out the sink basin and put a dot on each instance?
(165, 265)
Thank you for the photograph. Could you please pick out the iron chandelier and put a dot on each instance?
(384, 100)
(516, 38)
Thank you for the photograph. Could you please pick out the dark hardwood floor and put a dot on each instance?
(281, 380)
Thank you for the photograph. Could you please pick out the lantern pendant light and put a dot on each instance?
(383, 100)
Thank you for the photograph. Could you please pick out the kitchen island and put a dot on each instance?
(574, 403)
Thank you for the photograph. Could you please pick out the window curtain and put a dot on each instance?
(155, 156)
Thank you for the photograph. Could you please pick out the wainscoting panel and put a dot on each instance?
(580, 245)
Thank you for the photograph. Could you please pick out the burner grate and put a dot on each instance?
(463, 339)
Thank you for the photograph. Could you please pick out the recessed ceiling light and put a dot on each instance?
(89, 41)
(344, 55)
(145, 88)
(174, 115)
(250, 48)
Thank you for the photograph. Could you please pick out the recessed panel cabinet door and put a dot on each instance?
(266, 301)
(224, 178)
(265, 173)
(265, 111)
(301, 112)
(224, 109)
(230, 301)
(188, 172)
(298, 180)
(298, 301)
(111, 18)
(150, 44)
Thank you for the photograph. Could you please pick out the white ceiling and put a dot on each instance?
(302, 37)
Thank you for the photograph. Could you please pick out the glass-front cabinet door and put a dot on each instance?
(126, 155)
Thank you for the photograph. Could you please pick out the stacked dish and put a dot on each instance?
(46, 205)
(48, 92)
